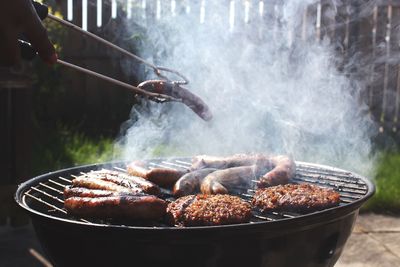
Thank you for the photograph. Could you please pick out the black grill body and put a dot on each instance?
(314, 240)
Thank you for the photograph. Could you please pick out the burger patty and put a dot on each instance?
(202, 210)
(295, 197)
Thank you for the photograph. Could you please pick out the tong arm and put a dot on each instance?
(29, 53)
(156, 90)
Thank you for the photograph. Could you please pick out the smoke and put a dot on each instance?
(271, 88)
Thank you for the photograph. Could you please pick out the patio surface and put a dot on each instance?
(375, 242)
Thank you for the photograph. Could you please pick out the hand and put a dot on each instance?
(19, 17)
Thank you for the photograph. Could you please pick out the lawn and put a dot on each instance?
(63, 147)
(387, 181)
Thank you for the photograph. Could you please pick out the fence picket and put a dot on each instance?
(393, 92)
(380, 47)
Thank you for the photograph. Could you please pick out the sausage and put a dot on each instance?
(125, 206)
(126, 181)
(194, 102)
(137, 168)
(284, 169)
(147, 186)
(190, 182)
(220, 181)
(85, 192)
(94, 183)
(164, 177)
(237, 160)
(271, 170)
(191, 100)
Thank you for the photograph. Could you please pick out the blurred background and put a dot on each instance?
(53, 118)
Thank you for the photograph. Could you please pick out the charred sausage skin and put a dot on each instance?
(122, 206)
(190, 182)
(164, 177)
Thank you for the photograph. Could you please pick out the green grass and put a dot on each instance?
(62, 147)
(387, 182)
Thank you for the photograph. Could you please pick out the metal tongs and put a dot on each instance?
(160, 91)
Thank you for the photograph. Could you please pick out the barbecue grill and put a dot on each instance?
(269, 239)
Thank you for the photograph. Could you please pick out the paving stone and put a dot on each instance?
(362, 250)
(390, 240)
(378, 223)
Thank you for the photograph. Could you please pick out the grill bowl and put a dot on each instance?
(314, 239)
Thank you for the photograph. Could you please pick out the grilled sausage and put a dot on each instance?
(284, 168)
(220, 181)
(147, 186)
(237, 160)
(273, 170)
(85, 192)
(126, 181)
(164, 177)
(124, 206)
(191, 100)
(94, 183)
(190, 182)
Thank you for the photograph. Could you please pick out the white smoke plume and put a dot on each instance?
(270, 90)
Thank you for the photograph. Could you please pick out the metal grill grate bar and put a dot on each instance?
(51, 188)
(48, 195)
(66, 180)
(120, 169)
(183, 162)
(45, 203)
(174, 165)
(56, 183)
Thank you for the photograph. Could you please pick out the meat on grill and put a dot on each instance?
(126, 206)
(295, 197)
(125, 180)
(190, 182)
(85, 192)
(204, 161)
(176, 90)
(204, 210)
(222, 181)
(271, 170)
(284, 168)
(164, 177)
(94, 183)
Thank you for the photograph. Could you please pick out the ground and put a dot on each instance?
(375, 242)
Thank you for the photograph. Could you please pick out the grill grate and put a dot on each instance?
(47, 197)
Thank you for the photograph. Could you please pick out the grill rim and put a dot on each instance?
(307, 220)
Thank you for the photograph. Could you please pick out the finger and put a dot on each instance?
(9, 47)
(39, 39)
